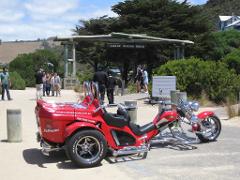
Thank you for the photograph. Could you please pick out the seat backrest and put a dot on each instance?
(123, 112)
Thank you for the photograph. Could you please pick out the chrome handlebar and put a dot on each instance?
(162, 103)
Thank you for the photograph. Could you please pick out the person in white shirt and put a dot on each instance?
(145, 80)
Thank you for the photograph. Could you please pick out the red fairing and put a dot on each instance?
(53, 118)
(75, 126)
(205, 114)
(167, 116)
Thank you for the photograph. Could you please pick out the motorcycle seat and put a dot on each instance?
(115, 120)
(140, 130)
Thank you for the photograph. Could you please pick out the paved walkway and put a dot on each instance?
(218, 160)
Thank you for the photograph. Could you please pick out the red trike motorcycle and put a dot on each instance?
(87, 131)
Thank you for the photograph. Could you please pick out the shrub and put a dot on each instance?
(16, 81)
(132, 87)
(195, 76)
(85, 73)
(233, 60)
(26, 65)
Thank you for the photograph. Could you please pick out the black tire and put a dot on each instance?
(87, 148)
(214, 133)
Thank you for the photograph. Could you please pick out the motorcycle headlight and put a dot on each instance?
(195, 106)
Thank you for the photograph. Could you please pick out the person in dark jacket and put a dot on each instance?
(112, 82)
(101, 78)
(139, 78)
(39, 83)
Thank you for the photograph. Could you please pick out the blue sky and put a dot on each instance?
(33, 19)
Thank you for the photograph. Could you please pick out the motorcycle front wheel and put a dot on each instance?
(211, 128)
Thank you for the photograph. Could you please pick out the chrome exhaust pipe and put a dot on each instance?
(130, 150)
(47, 148)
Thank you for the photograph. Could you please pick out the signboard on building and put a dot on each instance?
(125, 46)
(162, 86)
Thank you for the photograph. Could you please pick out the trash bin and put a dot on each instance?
(174, 98)
(131, 107)
(182, 96)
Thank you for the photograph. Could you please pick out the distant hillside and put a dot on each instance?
(10, 50)
(214, 8)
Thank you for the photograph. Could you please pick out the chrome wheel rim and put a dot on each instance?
(211, 128)
(88, 148)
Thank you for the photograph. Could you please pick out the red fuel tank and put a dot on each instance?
(165, 118)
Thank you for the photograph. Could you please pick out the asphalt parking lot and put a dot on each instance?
(216, 160)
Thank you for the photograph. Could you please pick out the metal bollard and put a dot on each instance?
(132, 110)
(14, 125)
(182, 96)
(174, 98)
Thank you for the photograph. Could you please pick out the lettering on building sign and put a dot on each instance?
(127, 46)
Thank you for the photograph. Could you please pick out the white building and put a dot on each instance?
(229, 22)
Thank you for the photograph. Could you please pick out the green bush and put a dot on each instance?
(16, 81)
(132, 87)
(195, 76)
(85, 74)
(233, 60)
(224, 42)
(26, 65)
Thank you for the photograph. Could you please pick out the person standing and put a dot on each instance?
(44, 83)
(145, 80)
(52, 83)
(101, 78)
(57, 84)
(39, 83)
(48, 84)
(6, 83)
(139, 78)
(112, 82)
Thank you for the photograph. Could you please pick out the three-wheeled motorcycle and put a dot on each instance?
(87, 131)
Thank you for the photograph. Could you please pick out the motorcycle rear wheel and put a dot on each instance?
(87, 148)
(213, 127)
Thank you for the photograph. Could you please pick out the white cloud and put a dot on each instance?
(102, 12)
(14, 32)
(9, 16)
(33, 19)
(45, 9)
(9, 11)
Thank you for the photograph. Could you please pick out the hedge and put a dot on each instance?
(195, 76)
(16, 81)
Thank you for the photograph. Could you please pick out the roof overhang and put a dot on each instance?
(121, 38)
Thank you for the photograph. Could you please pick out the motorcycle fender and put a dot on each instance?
(205, 114)
(78, 125)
